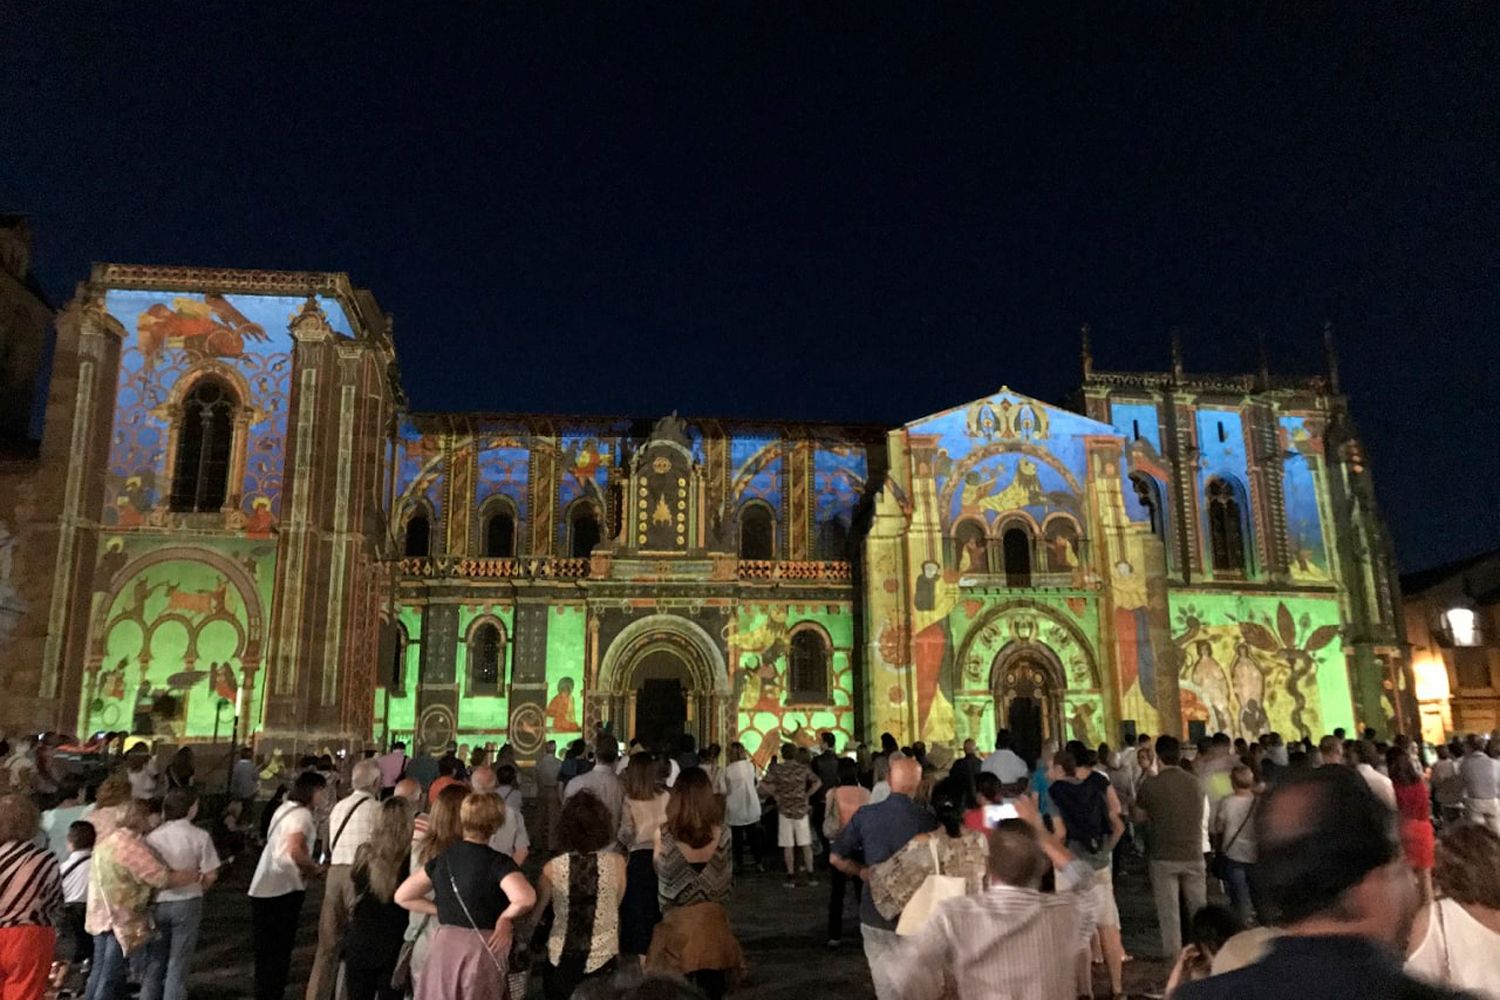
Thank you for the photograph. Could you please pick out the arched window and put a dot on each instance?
(205, 439)
(418, 538)
(1226, 528)
(1062, 546)
(1016, 546)
(1148, 492)
(807, 668)
(971, 548)
(499, 533)
(583, 530)
(486, 660)
(757, 532)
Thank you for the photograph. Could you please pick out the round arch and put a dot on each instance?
(706, 684)
(1028, 684)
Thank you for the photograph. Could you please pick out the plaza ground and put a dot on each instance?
(783, 932)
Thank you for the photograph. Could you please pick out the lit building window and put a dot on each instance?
(1462, 626)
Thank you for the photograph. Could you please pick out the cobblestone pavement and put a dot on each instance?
(782, 930)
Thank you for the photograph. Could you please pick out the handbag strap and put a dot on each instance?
(937, 864)
(345, 822)
(472, 925)
(1237, 830)
(1447, 947)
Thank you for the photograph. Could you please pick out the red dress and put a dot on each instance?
(1415, 810)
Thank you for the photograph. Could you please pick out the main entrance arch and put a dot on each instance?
(663, 675)
(1027, 681)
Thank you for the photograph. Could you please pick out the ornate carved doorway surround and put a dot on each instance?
(662, 648)
(1027, 681)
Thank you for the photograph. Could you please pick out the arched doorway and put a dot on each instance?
(660, 682)
(1026, 679)
(664, 674)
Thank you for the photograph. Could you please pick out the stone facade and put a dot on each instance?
(239, 526)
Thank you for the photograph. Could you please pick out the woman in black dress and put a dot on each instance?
(377, 922)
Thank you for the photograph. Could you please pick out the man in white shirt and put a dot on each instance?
(75, 883)
(178, 912)
(1005, 763)
(349, 824)
(1481, 774)
(1369, 758)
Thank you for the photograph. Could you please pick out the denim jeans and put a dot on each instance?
(169, 956)
(107, 974)
(1238, 887)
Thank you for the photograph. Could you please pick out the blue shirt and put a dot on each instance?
(1318, 968)
(875, 833)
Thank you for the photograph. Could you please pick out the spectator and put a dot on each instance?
(1330, 871)
(1448, 783)
(140, 768)
(1006, 764)
(695, 875)
(1414, 809)
(510, 837)
(280, 883)
(742, 806)
(574, 763)
(602, 780)
(790, 785)
(440, 830)
(352, 821)
(1173, 802)
(1235, 834)
(75, 884)
(376, 922)
(123, 873)
(423, 768)
(825, 767)
(969, 765)
(881, 789)
(392, 768)
(585, 884)
(948, 850)
(447, 766)
(1455, 939)
(477, 894)
(1041, 777)
(178, 912)
(181, 772)
(687, 752)
(1369, 764)
(244, 782)
(872, 835)
(844, 800)
(31, 898)
(57, 821)
(507, 787)
(644, 812)
(1211, 928)
(1012, 939)
(1086, 815)
(987, 792)
(1481, 774)
(547, 801)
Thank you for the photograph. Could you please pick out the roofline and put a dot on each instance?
(454, 416)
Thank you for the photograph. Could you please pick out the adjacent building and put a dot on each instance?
(1452, 617)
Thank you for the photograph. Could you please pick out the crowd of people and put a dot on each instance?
(1349, 867)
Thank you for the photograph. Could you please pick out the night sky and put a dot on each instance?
(840, 211)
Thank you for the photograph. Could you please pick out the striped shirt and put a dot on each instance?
(30, 886)
(1005, 943)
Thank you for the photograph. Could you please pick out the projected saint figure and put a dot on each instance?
(562, 714)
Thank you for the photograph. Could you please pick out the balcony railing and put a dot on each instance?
(523, 568)
(768, 569)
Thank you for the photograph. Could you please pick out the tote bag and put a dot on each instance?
(934, 889)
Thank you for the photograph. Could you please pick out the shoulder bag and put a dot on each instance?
(516, 983)
(1218, 865)
(934, 889)
(831, 816)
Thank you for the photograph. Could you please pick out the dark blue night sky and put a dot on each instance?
(848, 211)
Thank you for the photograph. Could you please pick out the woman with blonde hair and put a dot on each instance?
(435, 833)
(695, 876)
(645, 810)
(377, 923)
(477, 894)
(742, 805)
(1456, 938)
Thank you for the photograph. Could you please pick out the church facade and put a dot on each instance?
(239, 528)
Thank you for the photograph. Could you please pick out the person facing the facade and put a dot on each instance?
(510, 837)
(844, 800)
(545, 772)
(280, 883)
(1448, 782)
(75, 881)
(1012, 939)
(350, 824)
(1480, 770)
(645, 810)
(948, 850)
(31, 901)
(178, 912)
(1006, 764)
(124, 872)
(1235, 835)
(477, 894)
(376, 922)
(1331, 874)
(1414, 809)
(1173, 803)
(1086, 815)
(584, 884)
(1456, 938)
(742, 805)
(244, 781)
(601, 781)
(694, 878)
(392, 768)
(791, 785)
(872, 835)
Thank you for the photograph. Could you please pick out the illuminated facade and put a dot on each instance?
(1453, 624)
(251, 529)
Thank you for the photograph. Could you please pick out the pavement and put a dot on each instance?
(782, 930)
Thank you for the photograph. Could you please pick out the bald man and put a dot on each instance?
(410, 789)
(873, 834)
(351, 821)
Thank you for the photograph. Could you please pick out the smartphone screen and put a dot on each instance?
(994, 814)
